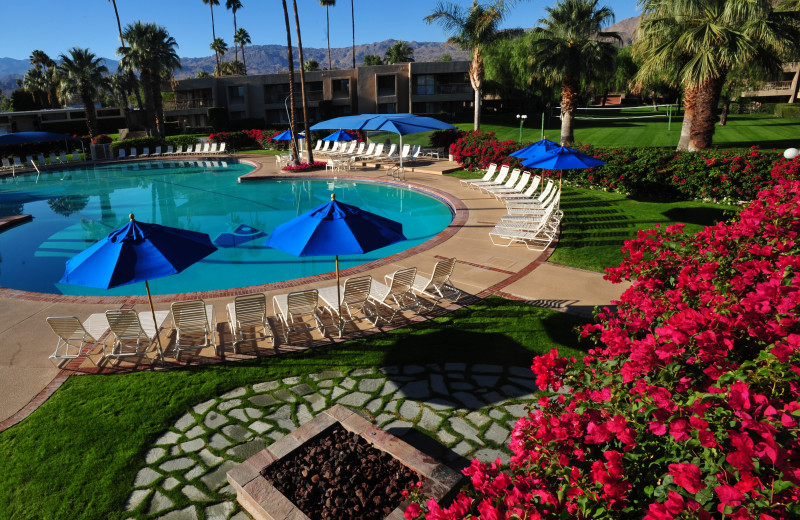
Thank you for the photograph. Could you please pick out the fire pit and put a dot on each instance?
(343, 427)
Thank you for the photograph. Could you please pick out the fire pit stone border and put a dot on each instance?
(264, 502)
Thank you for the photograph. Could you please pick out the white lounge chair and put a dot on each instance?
(249, 312)
(18, 163)
(509, 198)
(62, 158)
(222, 147)
(368, 152)
(169, 151)
(537, 236)
(397, 295)
(377, 153)
(133, 152)
(511, 180)
(53, 159)
(325, 147)
(76, 156)
(195, 325)
(438, 287)
(41, 161)
(157, 152)
(206, 147)
(487, 176)
(133, 333)
(121, 154)
(501, 177)
(7, 164)
(391, 156)
(298, 312)
(146, 152)
(74, 340)
(354, 303)
(213, 149)
(521, 206)
(516, 188)
(319, 146)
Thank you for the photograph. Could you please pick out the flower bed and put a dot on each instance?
(304, 167)
(688, 406)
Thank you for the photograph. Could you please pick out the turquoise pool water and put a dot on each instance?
(74, 208)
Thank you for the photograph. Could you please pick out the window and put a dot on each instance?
(342, 110)
(386, 85)
(425, 84)
(237, 115)
(236, 94)
(387, 108)
(341, 87)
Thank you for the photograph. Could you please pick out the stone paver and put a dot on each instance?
(453, 401)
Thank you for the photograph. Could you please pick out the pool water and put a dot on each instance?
(74, 208)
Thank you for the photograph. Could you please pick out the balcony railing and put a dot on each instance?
(187, 104)
(452, 88)
(771, 85)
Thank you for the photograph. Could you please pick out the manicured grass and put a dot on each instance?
(742, 131)
(78, 454)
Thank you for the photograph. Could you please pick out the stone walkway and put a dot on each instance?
(453, 412)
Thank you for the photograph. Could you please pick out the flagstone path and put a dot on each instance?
(465, 411)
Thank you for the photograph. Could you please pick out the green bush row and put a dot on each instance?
(152, 142)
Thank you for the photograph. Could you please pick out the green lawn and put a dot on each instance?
(742, 131)
(77, 455)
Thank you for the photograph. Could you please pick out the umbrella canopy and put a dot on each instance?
(137, 252)
(286, 135)
(401, 124)
(562, 158)
(335, 229)
(339, 135)
(535, 149)
(33, 137)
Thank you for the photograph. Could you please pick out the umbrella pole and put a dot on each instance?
(338, 298)
(155, 323)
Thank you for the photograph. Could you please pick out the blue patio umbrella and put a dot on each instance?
(535, 149)
(339, 135)
(562, 158)
(286, 135)
(335, 229)
(400, 124)
(137, 252)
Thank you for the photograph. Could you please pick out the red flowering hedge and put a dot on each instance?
(478, 149)
(688, 405)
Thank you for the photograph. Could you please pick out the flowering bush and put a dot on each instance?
(238, 140)
(478, 149)
(102, 139)
(303, 166)
(688, 405)
(444, 138)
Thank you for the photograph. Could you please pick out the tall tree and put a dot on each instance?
(234, 5)
(571, 48)
(83, 73)
(131, 77)
(353, 17)
(119, 25)
(399, 52)
(152, 52)
(372, 59)
(309, 152)
(327, 4)
(220, 48)
(242, 38)
(211, 4)
(709, 38)
(295, 154)
(473, 30)
(46, 78)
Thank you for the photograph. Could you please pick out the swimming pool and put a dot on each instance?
(74, 208)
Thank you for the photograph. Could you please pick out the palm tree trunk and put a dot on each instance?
(726, 106)
(295, 155)
(214, 38)
(309, 153)
(569, 102)
(353, 16)
(244, 60)
(158, 105)
(689, 100)
(705, 117)
(235, 28)
(91, 114)
(476, 79)
(328, 34)
(149, 103)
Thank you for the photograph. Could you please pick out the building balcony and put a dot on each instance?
(771, 88)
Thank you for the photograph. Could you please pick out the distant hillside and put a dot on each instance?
(268, 59)
(626, 28)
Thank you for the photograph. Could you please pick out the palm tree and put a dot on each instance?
(47, 80)
(372, 60)
(40, 60)
(311, 66)
(709, 38)
(220, 48)
(295, 155)
(234, 5)
(33, 82)
(399, 52)
(353, 17)
(309, 152)
(327, 4)
(242, 37)
(119, 25)
(570, 48)
(151, 51)
(211, 4)
(83, 73)
(473, 30)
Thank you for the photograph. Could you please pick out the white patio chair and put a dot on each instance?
(487, 176)
(195, 325)
(213, 149)
(511, 180)
(397, 295)
(146, 151)
(62, 158)
(516, 188)
(298, 312)
(536, 235)
(354, 304)
(501, 177)
(133, 333)
(510, 198)
(438, 286)
(74, 340)
(249, 312)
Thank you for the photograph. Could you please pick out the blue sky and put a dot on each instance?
(56, 25)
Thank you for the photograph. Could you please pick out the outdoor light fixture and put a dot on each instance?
(790, 153)
(522, 118)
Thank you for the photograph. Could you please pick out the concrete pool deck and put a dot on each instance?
(27, 377)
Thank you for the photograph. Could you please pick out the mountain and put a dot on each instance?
(11, 70)
(626, 28)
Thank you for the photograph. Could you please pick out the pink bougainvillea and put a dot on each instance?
(687, 406)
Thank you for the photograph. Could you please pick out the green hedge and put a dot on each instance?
(787, 110)
(139, 142)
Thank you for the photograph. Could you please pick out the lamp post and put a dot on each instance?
(522, 118)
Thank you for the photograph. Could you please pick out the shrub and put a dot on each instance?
(181, 140)
(102, 139)
(444, 138)
(688, 405)
(238, 140)
(787, 110)
(140, 143)
(478, 149)
(303, 166)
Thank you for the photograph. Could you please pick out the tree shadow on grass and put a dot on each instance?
(699, 216)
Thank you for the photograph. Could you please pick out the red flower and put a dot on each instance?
(687, 476)
(728, 496)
